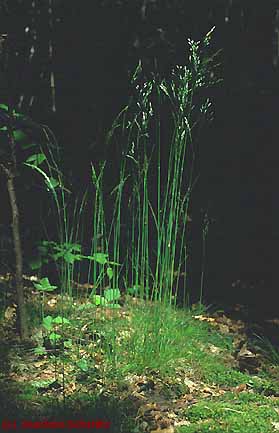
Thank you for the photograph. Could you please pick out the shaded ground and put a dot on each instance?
(210, 371)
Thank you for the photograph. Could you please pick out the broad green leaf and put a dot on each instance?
(98, 300)
(70, 258)
(44, 282)
(114, 305)
(83, 365)
(44, 285)
(36, 159)
(47, 323)
(59, 320)
(112, 294)
(109, 272)
(43, 288)
(53, 336)
(19, 135)
(100, 258)
(68, 343)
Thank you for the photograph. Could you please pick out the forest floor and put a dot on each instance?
(142, 367)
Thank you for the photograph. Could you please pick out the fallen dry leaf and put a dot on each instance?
(204, 318)
(146, 408)
(214, 349)
(10, 312)
(275, 425)
(240, 388)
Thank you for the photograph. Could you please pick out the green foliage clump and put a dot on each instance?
(238, 415)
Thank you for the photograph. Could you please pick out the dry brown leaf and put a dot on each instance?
(240, 388)
(52, 302)
(207, 390)
(146, 408)
(190, 385)
(224, 328)
(204, 318)
(246, 353)
(182, 423)
(10, 312)
(214, 349)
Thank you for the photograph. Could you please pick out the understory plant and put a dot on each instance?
(155, 184)
(17, 138)
(142, 243)
(141, 246)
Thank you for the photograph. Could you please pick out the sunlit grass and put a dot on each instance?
(231, 414)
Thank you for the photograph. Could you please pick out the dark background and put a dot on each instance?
(96, 45)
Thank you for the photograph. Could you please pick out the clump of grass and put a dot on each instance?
(269, 350)
(155, 238)
(159, 337)
(156, 218)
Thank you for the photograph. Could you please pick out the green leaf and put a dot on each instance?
(53, 336)
(57, 256)
(98, 300)
(60, 319)
(100, 258)
(68, 343)
(44, 282)
(42, 383)
(4, 107)
(76, 247)
(73, 247)
(53, 183)
(114, 306)
(35, 264)
(133, 290)
(19, 135)
(40, 350)
(44, 285)
(112, 295)
(47, 323)
(70, 258)
(109, 272)
(66, 251)
(36, 159)
(83, 365)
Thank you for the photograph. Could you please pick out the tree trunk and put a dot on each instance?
(22, 316)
